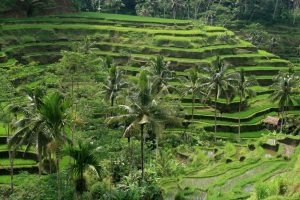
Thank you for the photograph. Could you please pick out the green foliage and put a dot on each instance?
(229, 149)
(34, 187)
(263, 190)
(99, 189)
(199, 158)
(166, 164)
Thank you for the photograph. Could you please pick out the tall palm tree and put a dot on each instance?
(84, 159)
(31, 129)
(193, 84)
(142, 111)
(160, 74)
(54, 111)
(284, 92)
(115, 83)
(244, 90)
(218, 82)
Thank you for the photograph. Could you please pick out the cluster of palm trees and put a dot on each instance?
(216, 82)
(286, 90)
(145, 108)
(43, 122)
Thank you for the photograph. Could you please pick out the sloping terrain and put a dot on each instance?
(132, 41)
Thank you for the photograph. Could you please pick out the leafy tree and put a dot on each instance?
(84, 159)
(217, 82)
(244, 90)
(113, 5)
(177, 6)
(284, 87)
(78, 62)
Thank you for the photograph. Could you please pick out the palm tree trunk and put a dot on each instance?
(111, 105)
(216, 98)
(39, 158)
(282, 118)
(156, 143)
(72, 94)
(193, 106)
(11, 162)
(240, 104)
(275, 9)
(50, 163)
(142, 152)
(58, 176)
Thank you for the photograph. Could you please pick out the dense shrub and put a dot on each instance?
(99, 189)
(40, 188)
(180, 196)
(274, 188)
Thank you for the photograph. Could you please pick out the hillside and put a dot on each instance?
(31, 47)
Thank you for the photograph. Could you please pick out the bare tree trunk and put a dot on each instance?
(50, 163)
(193, 105)
(142, 152)
(39, 157)
(73, 100)
(11, 155)
(240, 104)
(111, 105)
(58, 176)
(281, 123)
(216, 98)
(275, 9)
(11, 162)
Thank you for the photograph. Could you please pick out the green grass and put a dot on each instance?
(2, 129)
(103, 28)
(17, 161)
(254, 134)
(125, 17)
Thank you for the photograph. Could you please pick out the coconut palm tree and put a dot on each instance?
(218, 82)
(84, 159)
(31, 129)
(244, 90)
(115, 83)
(284, 87)
(54, 112)
(192, 84)
(160, 75)
(142, 111)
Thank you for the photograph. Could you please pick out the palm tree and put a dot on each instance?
(284, 91)
(115, 83)
(160, 74)
(192, 85)
(84, 158)
(217, 82)
(244, 90)
(142, 111)
(31, 129)
(54, 112)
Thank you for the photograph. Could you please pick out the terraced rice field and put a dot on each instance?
(184, 44)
